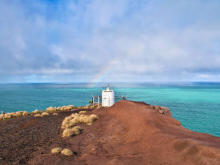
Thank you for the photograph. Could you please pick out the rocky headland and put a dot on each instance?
(127, 133)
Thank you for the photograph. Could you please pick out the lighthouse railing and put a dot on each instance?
(93, 100)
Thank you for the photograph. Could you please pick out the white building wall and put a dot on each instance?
(108, 98)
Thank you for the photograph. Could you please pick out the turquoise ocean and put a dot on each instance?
(195, 105)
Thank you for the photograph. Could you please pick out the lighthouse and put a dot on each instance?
(108, 97)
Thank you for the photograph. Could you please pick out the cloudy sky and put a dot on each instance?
(109, 40)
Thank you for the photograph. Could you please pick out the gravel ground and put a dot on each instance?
(27, 137)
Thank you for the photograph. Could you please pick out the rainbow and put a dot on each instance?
(101, 75)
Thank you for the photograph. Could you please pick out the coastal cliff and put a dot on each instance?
(127, 133)
(137, 133)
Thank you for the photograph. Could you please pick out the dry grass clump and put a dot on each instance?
(70, 121)
(93, 117)
(68, 108)
(81, 112)
(18, 114)
(25, 113)
(12, 114)
(67, 152)
(1, 117)
(65, 108)
(38, 115)
(55, 114)
(88, 119)
(45, 114)
(71, 106)
(8, 116)
(96, 105)
(77, 130)
(65, 122)
(36, 111)
(74, 118)
(51, 109)
(68, 132)
(56, 150)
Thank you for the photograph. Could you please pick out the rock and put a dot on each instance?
(166, 111)
(156, 107)
(161, 111)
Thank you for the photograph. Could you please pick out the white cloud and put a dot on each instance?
(146, 40)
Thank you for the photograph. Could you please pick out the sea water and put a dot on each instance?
(195, 105)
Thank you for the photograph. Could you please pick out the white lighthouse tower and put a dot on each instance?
(108, 97)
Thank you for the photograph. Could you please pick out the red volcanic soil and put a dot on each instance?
(127, 133)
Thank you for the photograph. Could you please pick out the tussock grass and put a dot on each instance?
(7, 116)
(69, 118)
(68, 132)
(38, 115)
(96, 105)
(68, 122)
(54, 109)
(1, 117)
(13, 114)
(45, 114)
(64, 123)
(67, 152)
(36, 111)
(66, 108)
(71, 106)
(94, 117)
(75, 118)
(55, 114)
(77, 130)
(56, 150)
(18, 114)
(25, 113)
(51, 109)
